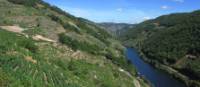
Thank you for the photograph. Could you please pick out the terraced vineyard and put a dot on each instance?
(27, 65)
(33, 55)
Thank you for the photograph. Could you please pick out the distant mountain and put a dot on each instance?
(116, 28)
(172, 40)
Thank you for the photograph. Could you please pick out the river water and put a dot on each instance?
(156, 77)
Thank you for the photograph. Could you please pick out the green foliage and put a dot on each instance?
(16, 71)
(28, 63)
(25, 2)
(4, 79)
(55, 18)
(99, 33)
(194, 84)
(170, 38)
(34, 31)
(194, 68)
(13, 41)
(77, 45)
(5, 21)
(174, 43)
(67, 26)
(79, 69)
(28, 44)
(116, 60)
(121, 61)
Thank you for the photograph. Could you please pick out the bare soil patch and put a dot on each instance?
(30, 59)
(40, 37)
(15, 28)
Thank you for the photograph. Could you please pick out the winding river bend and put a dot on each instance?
(156, 77)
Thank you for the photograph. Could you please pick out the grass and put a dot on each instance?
(52, 67)
(51, 71)
(77, 45)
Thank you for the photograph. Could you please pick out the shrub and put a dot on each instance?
(55, 18)
(10, 40)
(28, 44)
(25, 2)
(4, 79)
(65, 25)
(100, 34)
(3, 49)
(68, 41)
(77, 45)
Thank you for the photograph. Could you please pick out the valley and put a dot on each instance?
(42, 45)
(170, 43)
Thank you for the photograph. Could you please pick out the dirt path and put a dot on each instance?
(20, 30)
(15, 28)
(30, 59)
(40, 37)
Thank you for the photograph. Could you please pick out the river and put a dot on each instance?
(156, 77)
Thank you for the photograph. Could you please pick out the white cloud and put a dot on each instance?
(146, 18)
(165, 7)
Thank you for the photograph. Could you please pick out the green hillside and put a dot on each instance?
(43, 46)
(172, 40)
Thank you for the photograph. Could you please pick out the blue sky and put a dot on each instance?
(126, 11)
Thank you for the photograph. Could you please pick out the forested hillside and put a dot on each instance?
(43, 46)
(172, 40)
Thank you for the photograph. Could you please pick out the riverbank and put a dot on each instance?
(155, 77)
(138, 81)
(173, 72)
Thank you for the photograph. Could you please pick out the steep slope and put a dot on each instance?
(172, 40)
(43, 46)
